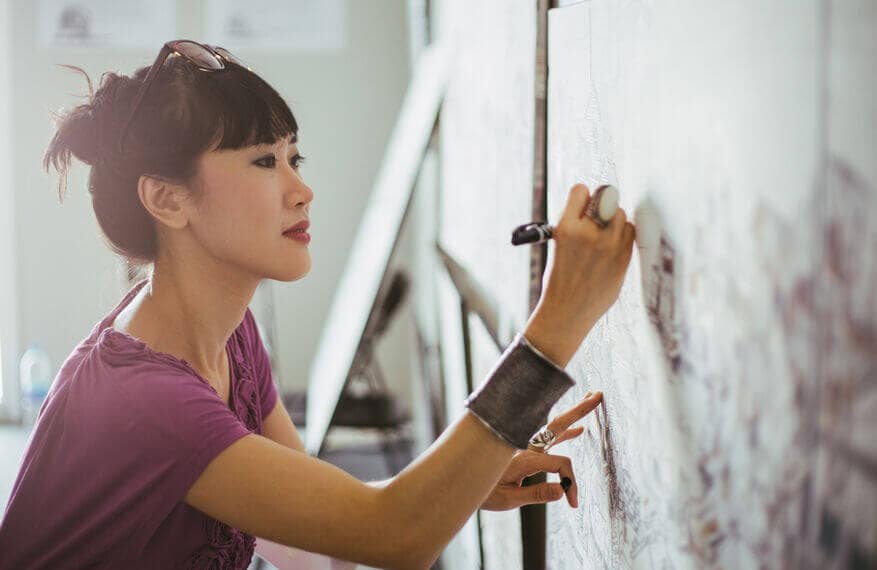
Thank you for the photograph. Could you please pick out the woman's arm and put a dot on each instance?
(273, 492)
(278, 427)
(291, 498)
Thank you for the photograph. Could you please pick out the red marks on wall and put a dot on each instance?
(659, 292)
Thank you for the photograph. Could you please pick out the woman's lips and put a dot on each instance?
(303, 237)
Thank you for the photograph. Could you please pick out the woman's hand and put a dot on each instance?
(509, 494)
(585, 278)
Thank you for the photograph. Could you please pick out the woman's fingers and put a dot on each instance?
(530, 463)
(576, 202)
(536, 494)
(618, 223)
(564, 469)
(585, 406)
(560, 424)
(629, 232)
(568, 434)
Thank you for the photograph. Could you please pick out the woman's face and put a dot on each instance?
(249, 197)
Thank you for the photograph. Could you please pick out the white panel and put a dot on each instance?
(500, 530)
(463, 552)
(734, 330)
(487, 143)
(487, 147)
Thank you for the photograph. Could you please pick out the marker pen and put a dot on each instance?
(601, 208)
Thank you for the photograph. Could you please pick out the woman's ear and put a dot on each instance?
(164, 200)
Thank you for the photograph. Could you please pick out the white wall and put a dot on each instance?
(8, 312)
(345, 102)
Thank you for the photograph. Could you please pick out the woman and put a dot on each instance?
(163, 444)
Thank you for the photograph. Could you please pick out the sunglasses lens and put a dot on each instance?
(199, 55)
(228, 56)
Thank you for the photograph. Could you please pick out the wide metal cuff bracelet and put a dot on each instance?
(517, 395)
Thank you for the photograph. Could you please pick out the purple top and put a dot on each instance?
(123, 434)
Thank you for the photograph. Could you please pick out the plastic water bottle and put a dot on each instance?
(35, 372)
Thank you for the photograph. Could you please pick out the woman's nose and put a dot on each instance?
(299, 193)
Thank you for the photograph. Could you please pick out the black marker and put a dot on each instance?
(601, 208)
(566, 483)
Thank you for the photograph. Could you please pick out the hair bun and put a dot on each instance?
(80, 132)
(86, 131)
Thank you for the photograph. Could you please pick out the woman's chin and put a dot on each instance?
(293, 274)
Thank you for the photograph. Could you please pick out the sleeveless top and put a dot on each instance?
(121, 437)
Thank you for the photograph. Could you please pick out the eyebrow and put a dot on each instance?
(293, 139)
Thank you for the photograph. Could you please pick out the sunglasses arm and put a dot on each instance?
(165, 52)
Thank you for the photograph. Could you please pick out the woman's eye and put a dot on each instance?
(296, 161)
(270, 161)
(267, 161)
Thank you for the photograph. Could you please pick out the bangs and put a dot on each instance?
(249, 111)
(229, 109)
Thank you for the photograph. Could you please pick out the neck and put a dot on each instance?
(194, 312)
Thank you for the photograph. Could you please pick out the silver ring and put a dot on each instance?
(543, 438)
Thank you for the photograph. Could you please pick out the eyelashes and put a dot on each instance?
(270, 161)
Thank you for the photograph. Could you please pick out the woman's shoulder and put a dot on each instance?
(113, 370)
(128, 365)
(119, 349)
(110, 363)
(120, 385)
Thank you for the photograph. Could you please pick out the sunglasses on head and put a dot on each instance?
(204, 57)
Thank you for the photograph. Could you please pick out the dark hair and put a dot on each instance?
(185, 113)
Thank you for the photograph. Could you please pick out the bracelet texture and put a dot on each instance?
(518, 393)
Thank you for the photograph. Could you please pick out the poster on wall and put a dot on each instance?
(311, 25)
(105, 23)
